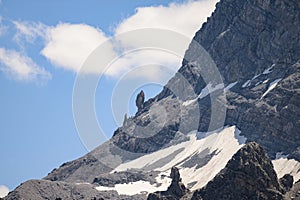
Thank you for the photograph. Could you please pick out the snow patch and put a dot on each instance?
(283, 166)
(271, 87)
(269, 70)
(164, 180)
(137, 187)
(256, 76)
(259, 82)
(189, 102)
(149, 159)
(204, 92)
(223, 33)
(209, 89)
(229, 86)
(246, 84)
(265, 81)
(226, 144)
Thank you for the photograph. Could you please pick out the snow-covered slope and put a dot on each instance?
(284, 166)
(199, 160)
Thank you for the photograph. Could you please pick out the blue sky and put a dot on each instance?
(43, 45)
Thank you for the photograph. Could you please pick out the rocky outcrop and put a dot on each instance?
(175, 191)
(139, 102)
(135, 144)
(294, 193)
(248, 175)
(286, 182)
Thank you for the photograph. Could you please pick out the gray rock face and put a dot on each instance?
(145, 145)
(248, 175)
(253, 43)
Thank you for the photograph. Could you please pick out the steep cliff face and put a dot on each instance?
(255, 45)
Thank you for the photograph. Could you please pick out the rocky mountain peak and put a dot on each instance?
(248, 175)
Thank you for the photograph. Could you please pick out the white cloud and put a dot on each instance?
(185, 18)
(3, 191)
(182, 19)
(21, 67)
(144, 58)
(28, 31)
(69, 45)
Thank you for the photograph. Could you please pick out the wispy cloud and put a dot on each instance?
(21, 67)
(28, 31)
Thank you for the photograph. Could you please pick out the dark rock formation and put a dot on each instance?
(294, 193)
(286, 182)
(139, 102)
(248, 175)
(175, 191)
